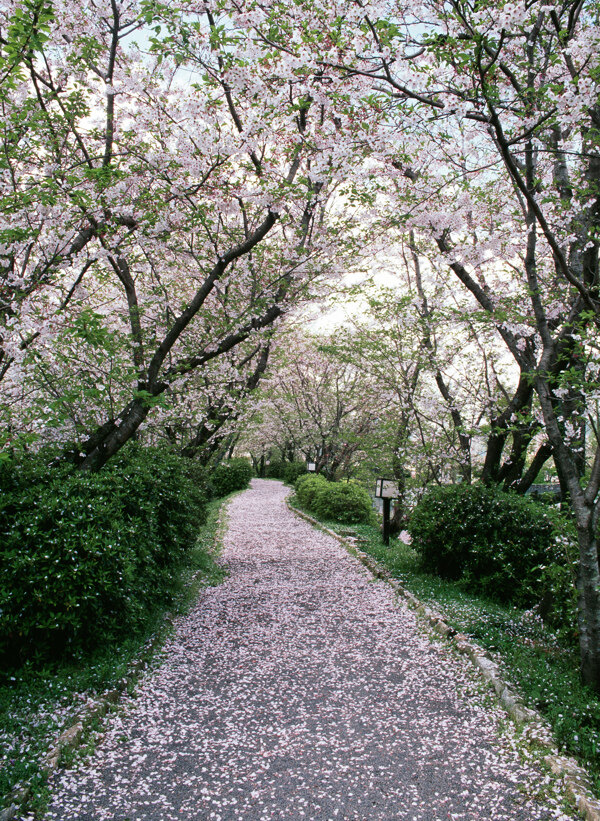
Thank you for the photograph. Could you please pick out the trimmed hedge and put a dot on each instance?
(199, 475)
(288, 471)
(234, 474)
(342, 501)
(274, 470)
(306, 488)
(499, 544)
(87, 557)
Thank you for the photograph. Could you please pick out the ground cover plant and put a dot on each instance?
(542, 662)
(38, 701)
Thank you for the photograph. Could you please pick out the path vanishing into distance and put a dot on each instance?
(300, 689)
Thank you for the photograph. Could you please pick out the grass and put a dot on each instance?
(38, 702)
(542, 664)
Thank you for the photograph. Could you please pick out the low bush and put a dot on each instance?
(88, 556)
(499, 544)
(307, 486)
(274, 470)
(292, 471)
(234, 474)
(342, 501)
(199, 475)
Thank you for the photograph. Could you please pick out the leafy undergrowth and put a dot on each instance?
(542, 665)
(38, 702)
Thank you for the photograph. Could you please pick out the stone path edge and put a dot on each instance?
(577, 781)
(76, 732)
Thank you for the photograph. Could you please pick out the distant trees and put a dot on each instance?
(313, 407)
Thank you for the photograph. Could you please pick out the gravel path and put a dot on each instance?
(299, 689)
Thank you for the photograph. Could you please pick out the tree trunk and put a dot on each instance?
(398, 519)
(588, 572)
(539, 460)
(111, 437)
(588, 594)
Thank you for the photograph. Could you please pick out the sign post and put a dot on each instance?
(386, 489)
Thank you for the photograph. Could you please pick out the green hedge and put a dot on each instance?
(274, 470)
(499, 544)
(199, 475)
(342, 501)
(89, 556)
(306, 488)
(292, 471)
(288, 471)
(234, 474)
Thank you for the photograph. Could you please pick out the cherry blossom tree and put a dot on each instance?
(168, 185)
(315, 405)
(203, 420)
(385, 340)
(175, 175)
(504, 100)
(442, 378)
(529, 81)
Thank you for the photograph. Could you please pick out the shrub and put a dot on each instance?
(89, 556)
(274, 470)
(344, 502)
(306, 488)
(502, 545)
(199, 475)
(293, 470)
(234, 474)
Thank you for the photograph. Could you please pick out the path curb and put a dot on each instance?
(577, 782)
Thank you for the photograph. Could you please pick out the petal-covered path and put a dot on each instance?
(299, 689)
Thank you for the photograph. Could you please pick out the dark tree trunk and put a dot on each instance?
(583, 504)
(398, 520)
(206, 433)
(510, 472)
(588, 593)
(539, 460)
(111, 437)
